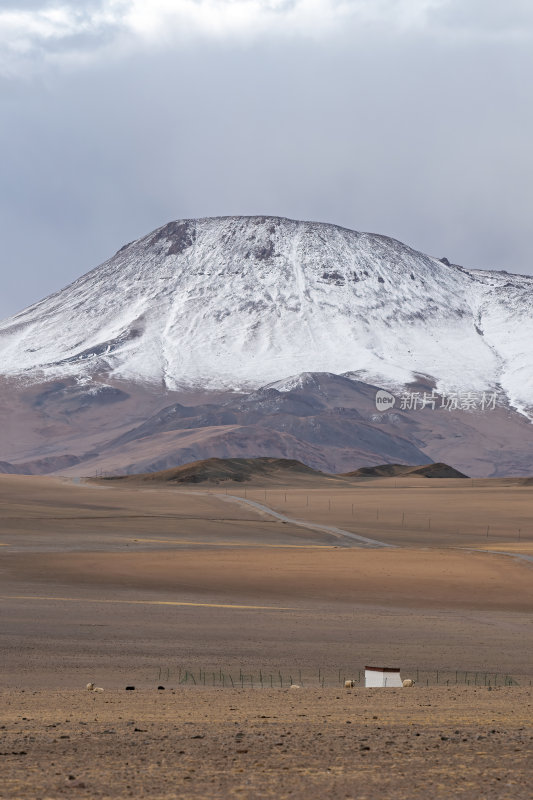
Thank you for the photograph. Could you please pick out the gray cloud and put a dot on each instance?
(33, 33)
(480, 18)
(402, 129)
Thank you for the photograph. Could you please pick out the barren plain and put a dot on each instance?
(206, 592)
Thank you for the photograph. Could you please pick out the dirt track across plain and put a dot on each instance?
(361, 541)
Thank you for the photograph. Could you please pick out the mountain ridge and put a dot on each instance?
(265, 336)
(235, 303)
(327, 421)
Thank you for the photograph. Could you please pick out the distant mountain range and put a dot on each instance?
(262, 336)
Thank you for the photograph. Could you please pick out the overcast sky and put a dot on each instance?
(412, 118)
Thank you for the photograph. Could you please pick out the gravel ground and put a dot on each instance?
(397, 744)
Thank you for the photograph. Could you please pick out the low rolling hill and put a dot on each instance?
(277, 471)
(439, 470)
(220, 470)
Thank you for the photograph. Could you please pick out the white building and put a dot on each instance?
(382, 676)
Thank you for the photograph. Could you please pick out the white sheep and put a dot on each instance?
(92, 688)
(408, 682)
(349, 684)
(294, 686)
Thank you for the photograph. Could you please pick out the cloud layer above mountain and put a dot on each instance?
(406, 117)
(36, 30)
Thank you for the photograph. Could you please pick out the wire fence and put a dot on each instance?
(399, 520)
(268, 678)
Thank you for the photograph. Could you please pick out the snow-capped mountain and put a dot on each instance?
(241, 302)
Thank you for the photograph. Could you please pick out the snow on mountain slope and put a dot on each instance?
(238, 302)
(504, 316)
